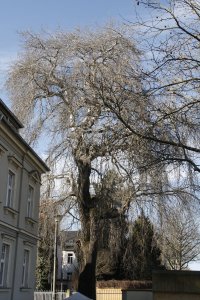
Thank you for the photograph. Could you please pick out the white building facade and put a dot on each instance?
(67, 261)
(69, 265)
(20, 173)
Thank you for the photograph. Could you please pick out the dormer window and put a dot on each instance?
(9, 117)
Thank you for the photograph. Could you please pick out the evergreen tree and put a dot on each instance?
(44, 269)
(142, 253)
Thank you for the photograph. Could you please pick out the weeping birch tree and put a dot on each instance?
(168, 36)
(52, 88)
(90, 96)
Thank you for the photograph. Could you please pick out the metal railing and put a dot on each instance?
(46, 295)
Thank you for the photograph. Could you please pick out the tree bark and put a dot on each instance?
(89, 224)
(87, 277)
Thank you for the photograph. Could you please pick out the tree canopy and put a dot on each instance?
(180, 243)
(109, 105)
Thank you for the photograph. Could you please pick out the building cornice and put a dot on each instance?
(19, 230)
(23, 146)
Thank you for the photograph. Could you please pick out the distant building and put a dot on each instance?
(67, 262)
(20, 180)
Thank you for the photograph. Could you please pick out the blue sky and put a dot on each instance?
(34, 14)
(21, 15)
(50, 15)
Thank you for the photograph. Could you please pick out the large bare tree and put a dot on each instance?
(180, 242)
(52, 87)
(169, 39)
(101, 110)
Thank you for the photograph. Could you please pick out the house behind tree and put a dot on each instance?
(67, 260)
(20, 180)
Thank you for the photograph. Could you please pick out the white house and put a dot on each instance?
(67, 261)
(20, 173)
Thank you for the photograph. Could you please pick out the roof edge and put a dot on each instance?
(9, 113)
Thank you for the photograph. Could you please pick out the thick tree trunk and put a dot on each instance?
(87, 278)
(89, 229)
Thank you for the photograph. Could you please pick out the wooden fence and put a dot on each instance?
(102, 294)
(109, 294)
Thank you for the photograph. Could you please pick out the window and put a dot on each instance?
(30, 202)
(10, 189)
(25, 268)
(69, 276)
(4, 264)
(70, 258)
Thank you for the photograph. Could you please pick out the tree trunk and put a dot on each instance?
(89, 229)
(87, 277)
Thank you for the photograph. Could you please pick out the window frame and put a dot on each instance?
(69, 276)
(70, 258)
(5, 262)
(25, 268)
(10, 189)
(30, 201)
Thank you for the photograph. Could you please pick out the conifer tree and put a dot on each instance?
(143, 254)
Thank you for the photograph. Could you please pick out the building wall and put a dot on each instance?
(18, 231)
(175, 285)
(67, 261)
(67, 265)
(180, 296)
(137, 295)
